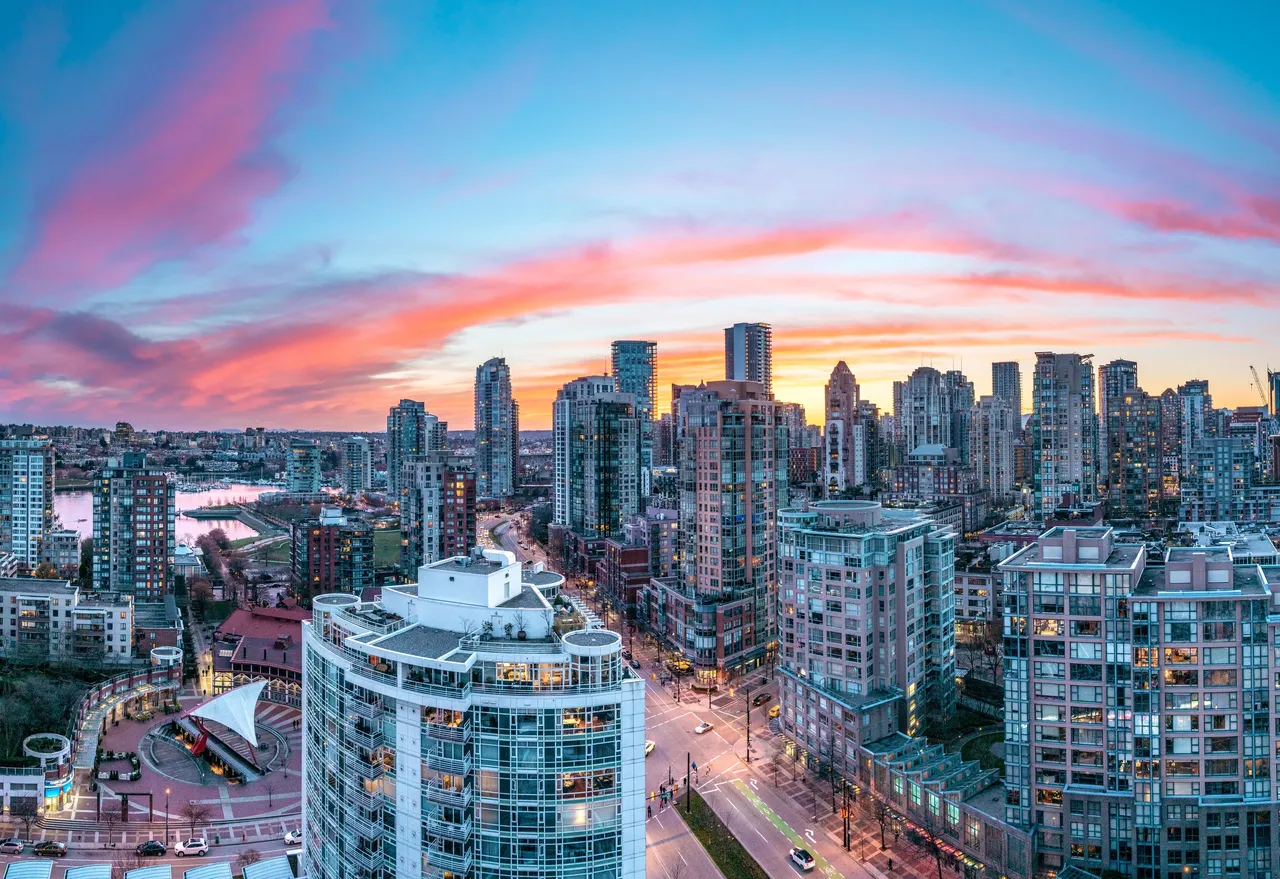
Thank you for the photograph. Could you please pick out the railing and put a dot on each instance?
(365, 824)
(451, 765)
(367, 738)
(448, 691)
(446, 796)
(438, 857)
(445, 733)
(502, 645)
(367, 710)
(371, 771)
(449, 829)
(361, 798)
(366, 859)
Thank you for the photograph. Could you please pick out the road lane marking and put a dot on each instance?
(785, 829)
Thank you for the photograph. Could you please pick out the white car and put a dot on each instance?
(701, 728)
(802, 859)
(293, 837)
(649, 745)
(195, 846)
(11, 846)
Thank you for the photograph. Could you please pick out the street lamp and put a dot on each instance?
(166, 816)
(746, 690)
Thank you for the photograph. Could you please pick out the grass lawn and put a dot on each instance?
(244, 541)
(980, 749)
(727, 852)
(386, 548)
(960, 725)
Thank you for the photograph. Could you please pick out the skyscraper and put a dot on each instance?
(932, 408)
(437, 510)
(134, 508)
(1115, 379)
(844, 443)
(1006, 385)
(1195, 420)
(635, 366)
(357, 465)
(497, 431)
(26, 495)
(411, 430)
(1134, 477)
(1064, 430)
(333, 553)
(302, 467)
(427, 756)
(596, 436)
(733, 478)
(748, 354)
(992, 431)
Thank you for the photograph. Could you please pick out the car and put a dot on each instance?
(50, 849)
(626, 654)
(775, 711)
(701, 728)
(195, 846)
(761, 699)
(152, 848)
(802, 859)
(11, 846)
(649, 745)
(293, 837)
(634, 663)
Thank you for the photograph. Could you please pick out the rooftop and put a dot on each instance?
(467, 565)
(541, 578)
(421, 641)
(36, 586)
(1248, 580)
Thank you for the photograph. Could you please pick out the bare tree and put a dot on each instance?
(125, 861)
(883, 814)
(110, 818)
(26, 810)
(927, 838)
(676, 870)
(247, 857)
(194, 813)
(269, 785)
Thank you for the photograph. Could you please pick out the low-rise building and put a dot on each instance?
(51, 620)
(156, 624)
(261, 644)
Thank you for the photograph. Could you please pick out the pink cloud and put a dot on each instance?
(187, 169)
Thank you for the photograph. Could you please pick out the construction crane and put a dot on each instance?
(1257, 383)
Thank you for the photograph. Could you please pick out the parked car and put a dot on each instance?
(702, 727)
(11, 847)
(195, 846)
(802, 859)
(634, 663)
(50, 849)
(626, 654)
(775, 711)
(649, 745)
(293, 837)
(761, 699)
(152, 848)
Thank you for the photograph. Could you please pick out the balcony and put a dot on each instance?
(364, 737)
(454, 863)
(451, 765)
(367, 824)
(361, 798)
(446, 829)
(367, 710)
(442, 732)
(365, 859)
(439, 795)
(370, 770)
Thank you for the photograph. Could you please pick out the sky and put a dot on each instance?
(293, 213)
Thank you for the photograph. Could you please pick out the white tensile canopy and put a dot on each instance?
(234, 710)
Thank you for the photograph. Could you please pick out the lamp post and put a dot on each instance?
(166, 816)
(747, 697)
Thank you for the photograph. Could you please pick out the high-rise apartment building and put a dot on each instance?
(1219, 476)
(1115, 379)
(497, 431)
(26, 496)
(733, 479)
(993, 429)
(748, 354)
(635, 366)
(844, 440)
(598, 457)
(435, 744)
(960, 400)
(1195, 419)
(1064, 430)
(333, 553)
(1138, 723)
(357, 465)
(134, 508)
(1006, 385)
(932, 408)
(1134, 473)
(866, 626)
(302, 467)
(411, 430)
(437, 510)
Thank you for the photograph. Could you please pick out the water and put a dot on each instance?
(75, 509)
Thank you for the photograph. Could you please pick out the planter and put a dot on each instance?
(520, 634)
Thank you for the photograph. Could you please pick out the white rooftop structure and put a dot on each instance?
(271, 868)
(234, 710)
(41, 869)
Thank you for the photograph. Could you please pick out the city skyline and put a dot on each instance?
(1005, 181)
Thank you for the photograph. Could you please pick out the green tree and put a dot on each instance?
(86, 563)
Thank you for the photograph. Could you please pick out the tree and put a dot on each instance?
(125, 861)
(269, 785)
(219, 538)
(927, 838)
(26, 810)
(86, 563)
(110, 818)
(194, 813)
(201, 593)
(247, 857)
(883, 814)
(45, 571)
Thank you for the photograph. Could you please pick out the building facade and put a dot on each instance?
(993, 428)
(1006, 385)
(748, 354)
(357, 465)
(598, 455)
(26, 496)
(333, 553)
(452, 749)
(52, 621)
(134, 508)
(867, 627)
(1115, 380)
(1064, 426)
(844, 440)
(1135, 472)
(497, 431)
(635, 368)
(302, 467)
(438, 516)
(411, 430)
